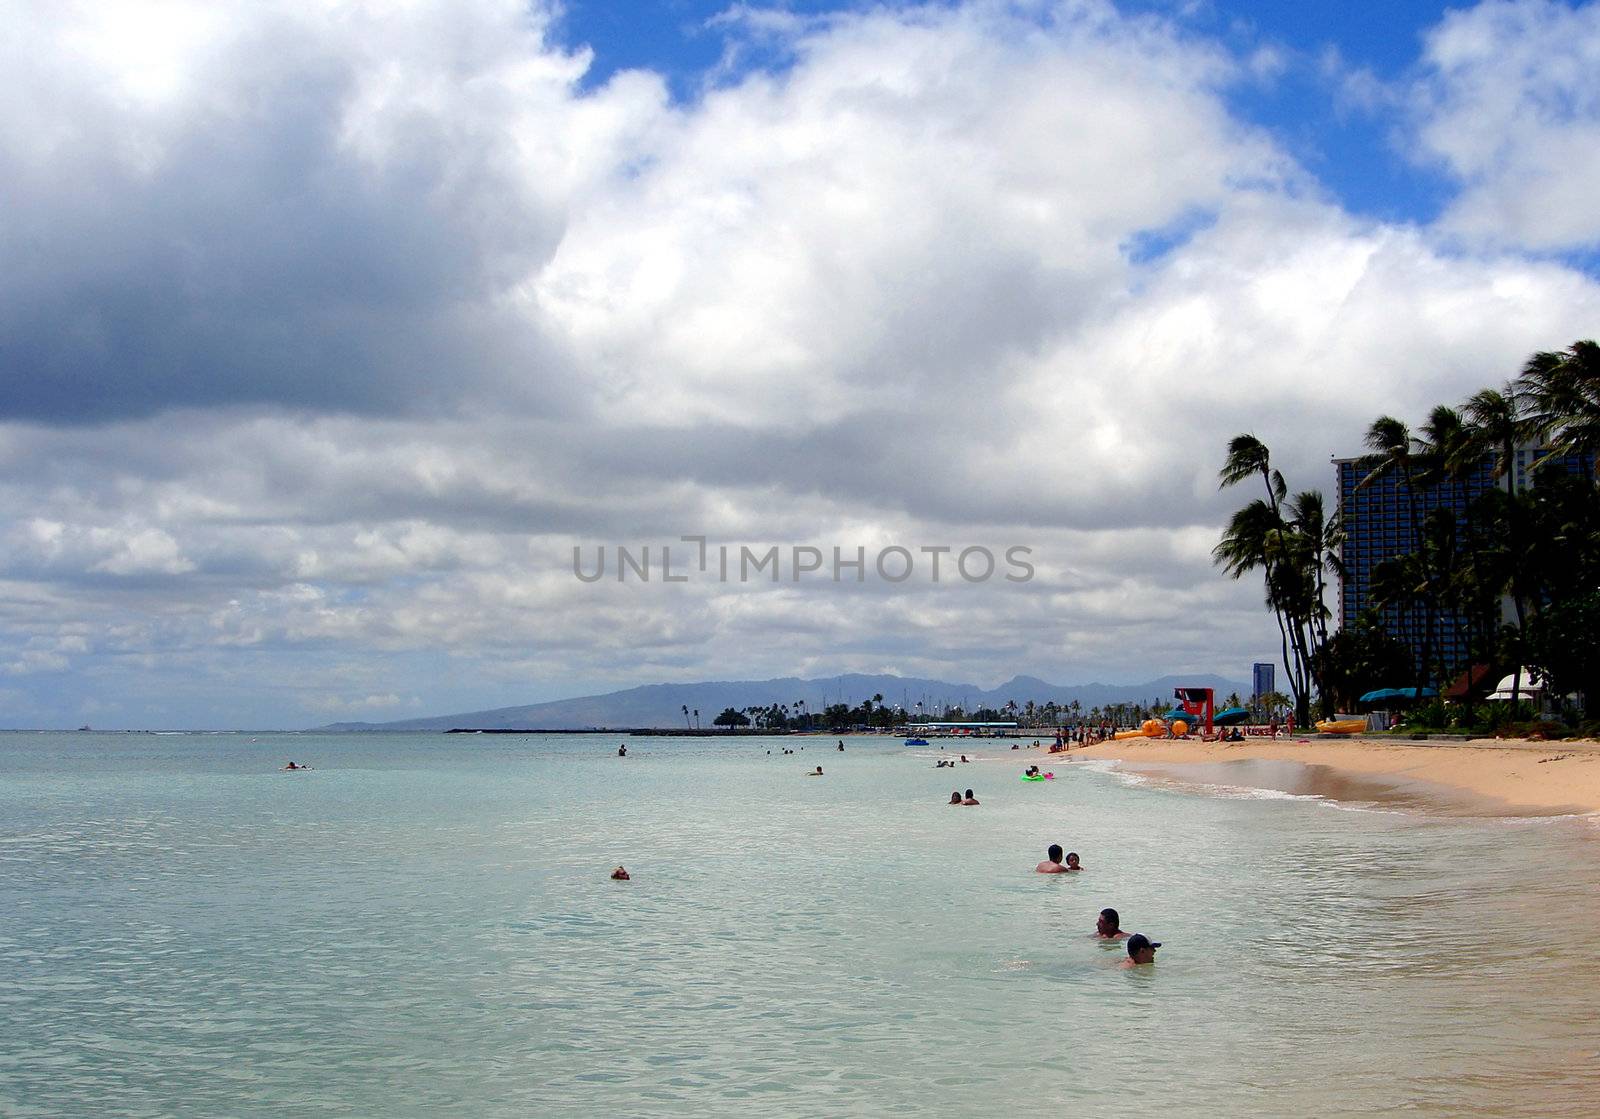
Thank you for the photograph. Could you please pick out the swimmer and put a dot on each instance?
(622, 751)
(816, 772)
(955, 799)
(1072, 861)
(1052, 861)
(294, 766)
(841, 747)
(1141, 951)
(1031, 771)
(969, 801)
(1109, 926)
(620, 875)
(963, 757)
(841, 744)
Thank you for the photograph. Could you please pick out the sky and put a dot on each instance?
(329, 332)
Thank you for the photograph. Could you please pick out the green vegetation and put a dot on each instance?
(1536, 549)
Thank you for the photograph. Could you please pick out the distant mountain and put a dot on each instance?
(661, 705)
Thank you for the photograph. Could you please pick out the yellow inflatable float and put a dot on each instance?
(1341, 726)
(1152, 728)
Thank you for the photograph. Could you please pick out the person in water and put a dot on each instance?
(1031, 771)
(620, 875)
(963, 757)
(815, 773)
(955, 798)
(969, 801)
(841, 745)
(622, 751)
(1141, 951)
(1072, 861)
(1109, 926)
(293, 765)
(1052, 861)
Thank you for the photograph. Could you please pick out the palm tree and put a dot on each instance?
(1246, 544)
(1560, 391)
(1255, 539)
(1392, 451)
(1498, 423)
(686, 722)
(1450, 450)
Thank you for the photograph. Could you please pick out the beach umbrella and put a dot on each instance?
(1378, 695)
(1230, 715)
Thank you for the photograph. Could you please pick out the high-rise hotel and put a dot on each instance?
(1378, 520)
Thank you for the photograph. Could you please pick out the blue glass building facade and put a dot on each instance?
(1378, 522)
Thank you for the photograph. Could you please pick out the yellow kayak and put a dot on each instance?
(1341, 726)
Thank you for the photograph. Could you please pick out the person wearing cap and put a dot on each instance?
(1052, 861)
(1109, 926)
(1141, 951)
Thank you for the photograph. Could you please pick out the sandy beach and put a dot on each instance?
(1492, 776)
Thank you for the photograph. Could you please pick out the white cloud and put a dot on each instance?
(1509, 104)
(887, 294)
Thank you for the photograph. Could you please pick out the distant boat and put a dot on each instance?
(84, 727)
(916, 742)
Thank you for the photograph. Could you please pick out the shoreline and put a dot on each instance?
(1484, 777)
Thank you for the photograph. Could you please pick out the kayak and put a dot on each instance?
(1341, 726)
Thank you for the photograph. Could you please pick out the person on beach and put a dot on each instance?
(1109, 926)
(1072, 861)
(1052, 861)
(955, 799)
(1141, 951)
(970, 801)
(620, 875)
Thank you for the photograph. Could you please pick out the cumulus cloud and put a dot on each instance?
(335, 329)
(1508, 103)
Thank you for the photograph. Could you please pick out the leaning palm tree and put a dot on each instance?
(1255, 539)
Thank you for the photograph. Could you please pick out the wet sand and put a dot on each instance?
(1481, 778)
(1484, 778)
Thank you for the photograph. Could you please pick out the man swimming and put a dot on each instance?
(816, 772)
(1141, 951)
(1109, 926)
(1052, 861)
(970, 800)
(620, 875)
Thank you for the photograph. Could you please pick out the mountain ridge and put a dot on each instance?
(661, 705)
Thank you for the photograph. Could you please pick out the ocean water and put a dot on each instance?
(423, 925)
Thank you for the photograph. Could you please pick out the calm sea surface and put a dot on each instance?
(423, 925)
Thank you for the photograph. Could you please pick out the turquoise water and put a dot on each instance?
(423, 925)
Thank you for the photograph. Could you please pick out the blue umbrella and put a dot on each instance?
(1230, 715)
(1397, 693)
